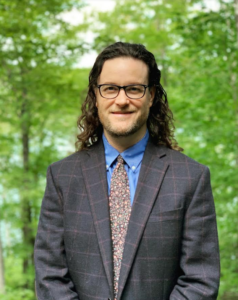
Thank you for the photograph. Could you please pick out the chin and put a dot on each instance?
(122, 132)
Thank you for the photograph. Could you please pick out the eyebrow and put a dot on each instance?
(133, 83)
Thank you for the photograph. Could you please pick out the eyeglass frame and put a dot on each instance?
(124, 88)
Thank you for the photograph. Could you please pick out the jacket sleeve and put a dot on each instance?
(199, 262)
(52, 277)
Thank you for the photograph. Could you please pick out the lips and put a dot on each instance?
(122, 112)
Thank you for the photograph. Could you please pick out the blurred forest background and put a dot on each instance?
(42, 87)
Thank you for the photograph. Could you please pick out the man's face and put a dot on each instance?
(122, 116)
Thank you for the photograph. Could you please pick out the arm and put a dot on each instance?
(52, 277)
(199, 260)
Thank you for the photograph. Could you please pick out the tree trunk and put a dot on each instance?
(28, 238)
(234, 78)
(2, 283)
(236, 18)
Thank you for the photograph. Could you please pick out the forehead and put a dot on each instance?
(123, 71)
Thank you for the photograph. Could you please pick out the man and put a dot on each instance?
(127, 216)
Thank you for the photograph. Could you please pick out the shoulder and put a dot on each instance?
(180, 162)
(68, 164)
(184, 169)
(73, 162)
(177, 156)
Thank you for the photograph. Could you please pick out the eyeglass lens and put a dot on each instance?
(132, 91)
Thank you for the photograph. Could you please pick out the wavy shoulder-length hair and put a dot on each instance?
(160, 120)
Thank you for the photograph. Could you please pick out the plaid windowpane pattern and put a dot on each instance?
(171, 247)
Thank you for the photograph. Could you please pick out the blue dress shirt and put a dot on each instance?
(132, 156)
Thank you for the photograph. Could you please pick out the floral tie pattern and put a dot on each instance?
(120, 209)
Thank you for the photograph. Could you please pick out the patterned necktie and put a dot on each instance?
(120, 209)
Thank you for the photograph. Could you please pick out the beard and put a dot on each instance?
(117, 131)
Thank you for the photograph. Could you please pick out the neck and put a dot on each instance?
(121, 143)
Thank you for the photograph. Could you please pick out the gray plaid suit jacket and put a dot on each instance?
(171, 248)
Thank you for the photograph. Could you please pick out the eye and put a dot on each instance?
(109, 88)
(134, 89)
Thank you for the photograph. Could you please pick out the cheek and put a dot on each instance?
(105, 106)
(137, 104)
(144, 107)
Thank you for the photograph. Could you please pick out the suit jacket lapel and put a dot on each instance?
(151, 176)
(94, 173)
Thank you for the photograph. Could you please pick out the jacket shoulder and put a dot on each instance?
(69, 163)
(176, 157)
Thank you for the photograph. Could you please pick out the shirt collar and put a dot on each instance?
(132, 156)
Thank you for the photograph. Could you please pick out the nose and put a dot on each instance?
(122, 98)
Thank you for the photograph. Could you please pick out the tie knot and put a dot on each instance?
(120, 159)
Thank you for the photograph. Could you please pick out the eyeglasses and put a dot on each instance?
(132, 91)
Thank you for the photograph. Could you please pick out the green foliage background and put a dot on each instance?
(41, 90)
